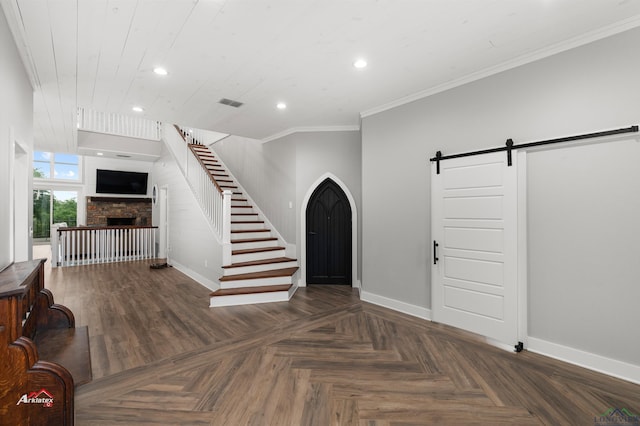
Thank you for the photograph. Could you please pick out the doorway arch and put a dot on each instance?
(338, 185)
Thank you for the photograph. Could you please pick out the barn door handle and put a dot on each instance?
(435, 253)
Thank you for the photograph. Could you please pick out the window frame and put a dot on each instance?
(52, 167)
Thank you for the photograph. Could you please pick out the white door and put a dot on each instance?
(474, 224)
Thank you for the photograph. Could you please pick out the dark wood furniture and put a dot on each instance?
(42, 354)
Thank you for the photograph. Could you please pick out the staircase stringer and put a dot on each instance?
(290, 248)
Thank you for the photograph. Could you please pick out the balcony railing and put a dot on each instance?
(91, 245)
(117, 124)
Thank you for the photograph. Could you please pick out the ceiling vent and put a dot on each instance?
(123, 156)
(231, 103)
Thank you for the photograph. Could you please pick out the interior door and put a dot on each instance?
(328, 235)
(474, 228)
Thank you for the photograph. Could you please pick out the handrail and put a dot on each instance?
(75, 228)
(215, 182)
(214, 201)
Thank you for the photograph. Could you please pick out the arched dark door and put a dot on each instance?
(328, 235)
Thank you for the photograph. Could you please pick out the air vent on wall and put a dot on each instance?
(231, 103)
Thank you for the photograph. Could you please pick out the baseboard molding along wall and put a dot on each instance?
(205, 282)
(601, 364)
(396, 305)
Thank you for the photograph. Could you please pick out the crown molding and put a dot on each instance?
(308, 129)
(16, 26)
(572, 43)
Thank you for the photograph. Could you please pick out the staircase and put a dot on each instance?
(258, 271)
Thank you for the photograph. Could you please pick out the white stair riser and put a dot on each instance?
(258, 268)
(253, 245)
(244, 218)
(235, 203)
(260, 282)
(241, 209)
(246, 226)
(249, 299)
(249, 235)
(261, 255)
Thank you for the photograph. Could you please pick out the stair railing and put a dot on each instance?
(215, 202)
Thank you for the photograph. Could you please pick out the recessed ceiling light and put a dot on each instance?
(281, 105)
(137, 109)
(160, 71)
(360, 63)
(99, 154)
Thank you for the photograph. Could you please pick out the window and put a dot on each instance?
(58, 166)
(52, 206)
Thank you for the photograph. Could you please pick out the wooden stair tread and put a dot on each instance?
(259, 262)
(250, 290)
(244, 214)
(254, 240)
(245, 231)
(247, 221)
(286, 272)
(256, 250)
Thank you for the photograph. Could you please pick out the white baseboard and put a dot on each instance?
(601, 364)
(396, 305)
(205, 282)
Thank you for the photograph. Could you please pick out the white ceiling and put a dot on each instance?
(99, 54)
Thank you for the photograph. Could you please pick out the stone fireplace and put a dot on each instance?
(118, 211)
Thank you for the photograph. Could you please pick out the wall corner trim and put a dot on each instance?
(292, 130)
(591, 361)
(396, 305)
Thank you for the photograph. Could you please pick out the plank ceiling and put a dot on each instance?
(100, 54)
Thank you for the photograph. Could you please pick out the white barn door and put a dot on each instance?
(474, 228)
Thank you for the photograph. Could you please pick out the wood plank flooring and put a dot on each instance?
(161, 357)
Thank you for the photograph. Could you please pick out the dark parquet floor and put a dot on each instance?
(161, 356)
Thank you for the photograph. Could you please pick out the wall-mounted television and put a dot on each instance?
(119, 182)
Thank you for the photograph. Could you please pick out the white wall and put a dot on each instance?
(193, 247)
(336, 153)
(584, 247)
(591, 88)
(87, 186)
(279, 173)
(268, 173)
(16, 124)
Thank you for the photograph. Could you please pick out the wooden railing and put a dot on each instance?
(91, 245)
(200, 136)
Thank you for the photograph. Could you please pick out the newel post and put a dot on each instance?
(54, 245)
(226, 227)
